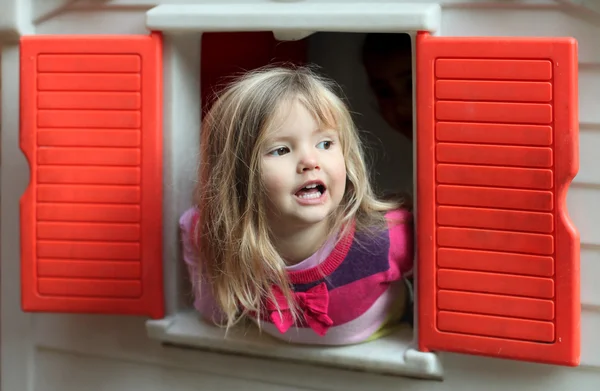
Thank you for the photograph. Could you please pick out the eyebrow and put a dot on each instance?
(315, 131)
(321, 130)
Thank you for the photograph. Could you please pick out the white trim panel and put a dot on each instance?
(392, 355)
(350, 17)
(15, 19)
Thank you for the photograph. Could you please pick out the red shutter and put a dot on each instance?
(228, 53)
(91, 218)
(497, 149)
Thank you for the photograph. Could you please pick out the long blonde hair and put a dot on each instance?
(238, 258)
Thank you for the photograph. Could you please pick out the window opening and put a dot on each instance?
(375, 74)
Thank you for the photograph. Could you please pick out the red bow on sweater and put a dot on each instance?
(313, 304)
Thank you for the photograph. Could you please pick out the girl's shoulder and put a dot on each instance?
(189, 219)
(401, 235)
(399, 216)
(187, 225)
(400, 224)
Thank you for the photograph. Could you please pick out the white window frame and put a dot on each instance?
(182, 27)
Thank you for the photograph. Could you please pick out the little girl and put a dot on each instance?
(286, 229)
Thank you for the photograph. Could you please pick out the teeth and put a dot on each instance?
(311, 186)
(310, 196)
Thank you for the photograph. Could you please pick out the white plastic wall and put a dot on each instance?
(72, 352)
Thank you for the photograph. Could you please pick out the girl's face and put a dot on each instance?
(303, 171)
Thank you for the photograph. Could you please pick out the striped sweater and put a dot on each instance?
(348, 292)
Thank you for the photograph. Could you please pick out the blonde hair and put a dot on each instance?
(238, 258)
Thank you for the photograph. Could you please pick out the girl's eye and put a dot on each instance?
(324, 144)
(280, 151)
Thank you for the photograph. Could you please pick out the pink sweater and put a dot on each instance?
(348, 292)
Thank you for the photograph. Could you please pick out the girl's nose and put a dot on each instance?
(308, 162)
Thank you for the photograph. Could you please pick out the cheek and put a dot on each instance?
(339, 175)
(272, 178)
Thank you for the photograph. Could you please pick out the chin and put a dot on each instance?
(312, 217)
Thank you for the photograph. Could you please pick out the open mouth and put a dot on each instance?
(311, 191)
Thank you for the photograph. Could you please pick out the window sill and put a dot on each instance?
(391, 355)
